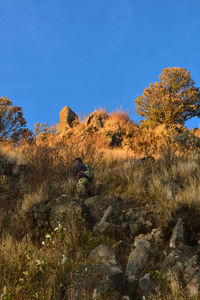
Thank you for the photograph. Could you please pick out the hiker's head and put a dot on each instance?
(77, 161)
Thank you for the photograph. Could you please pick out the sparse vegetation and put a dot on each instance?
(112, 144)
(30, 271)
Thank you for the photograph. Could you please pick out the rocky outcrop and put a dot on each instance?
(47, 215)
(139, 259)
(68, 119)
(96, 120)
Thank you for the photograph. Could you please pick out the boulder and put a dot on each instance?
(187, 270)
(140, 222)
(46, 215)
(97, 279)
(179, 235)
(138, 257)
(146, 287)
(122, 250)
(97, 206)
(105, 253)
(174, 264)
(100, 278)
(97, 119)
(65, 208)
(68, 119)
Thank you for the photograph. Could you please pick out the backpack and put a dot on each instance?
(89, 172)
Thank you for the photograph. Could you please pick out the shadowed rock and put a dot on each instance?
(146, 286)
(97, 206)
(100, 278)
(138, 258)
(179, 235)
(177, 266)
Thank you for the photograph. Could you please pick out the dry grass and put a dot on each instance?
(176, 293)
(28, 271)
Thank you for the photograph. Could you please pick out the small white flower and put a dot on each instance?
(48, 236)
(64, 259)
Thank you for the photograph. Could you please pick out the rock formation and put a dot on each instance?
(68, 119)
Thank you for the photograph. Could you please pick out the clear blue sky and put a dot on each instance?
(92, 53)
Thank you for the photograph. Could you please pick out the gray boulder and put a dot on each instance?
(104, 252)
(138, 257)
(179, 235)
(179, 267)
(97, 206)
(140, 222)
(146, 286)
(98, 278)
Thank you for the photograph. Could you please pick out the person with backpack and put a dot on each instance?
(83, 175)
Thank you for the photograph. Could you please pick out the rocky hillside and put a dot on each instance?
(140, 260)
(137, 236)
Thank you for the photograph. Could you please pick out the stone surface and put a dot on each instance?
(179, 235)
(98, 204)
(122, 251)
(179, 267)
(99, 278)
(68, 119)
(97, 119)
(104, 252)
(146, 286)
(139, 222)
(96, 279)
(46, 215)
(138, 258)
(174, 264)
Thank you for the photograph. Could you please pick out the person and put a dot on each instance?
(83, 175)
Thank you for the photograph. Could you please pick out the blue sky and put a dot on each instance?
(92, 53)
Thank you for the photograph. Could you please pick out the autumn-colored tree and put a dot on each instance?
(12, 122)
(174, 99)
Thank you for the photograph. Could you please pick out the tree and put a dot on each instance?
(12, 122)
(174, 99)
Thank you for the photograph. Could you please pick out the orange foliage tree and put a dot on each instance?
(174, 99)
(12, 122)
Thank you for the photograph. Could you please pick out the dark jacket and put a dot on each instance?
(79, 171)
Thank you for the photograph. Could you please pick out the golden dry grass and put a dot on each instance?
(28, 271)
